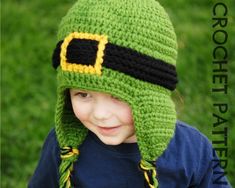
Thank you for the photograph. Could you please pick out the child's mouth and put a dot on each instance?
(108, 130)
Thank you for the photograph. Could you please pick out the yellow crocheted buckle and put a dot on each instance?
(92, 69)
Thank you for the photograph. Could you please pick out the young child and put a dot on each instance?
(115, 122)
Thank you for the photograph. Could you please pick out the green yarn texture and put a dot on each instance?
(141, 25)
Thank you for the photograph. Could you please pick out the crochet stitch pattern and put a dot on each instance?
(121, 59)
(96, 69)
(128, 49)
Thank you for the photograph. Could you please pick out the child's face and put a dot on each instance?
(108, 117)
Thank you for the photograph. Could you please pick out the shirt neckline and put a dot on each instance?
(123, 148)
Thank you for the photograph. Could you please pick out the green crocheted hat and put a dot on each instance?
(126, 48)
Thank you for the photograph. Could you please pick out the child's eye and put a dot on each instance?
(115, 98)
(83, 95)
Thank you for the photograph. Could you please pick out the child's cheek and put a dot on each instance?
(129, 117)
(126, 114)
(81, 111)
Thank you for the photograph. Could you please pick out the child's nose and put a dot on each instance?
(101, 111)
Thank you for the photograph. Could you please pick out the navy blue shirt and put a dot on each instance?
(187, 162)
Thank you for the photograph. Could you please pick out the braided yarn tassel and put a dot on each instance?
(150, 173)
(69, 156)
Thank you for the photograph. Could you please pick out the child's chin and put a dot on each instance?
(111, 141)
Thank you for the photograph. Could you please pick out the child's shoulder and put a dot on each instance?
(51, 145)
(51, 137)
(185, 132)
(46, 173)
(188, 158)
(189, 143)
